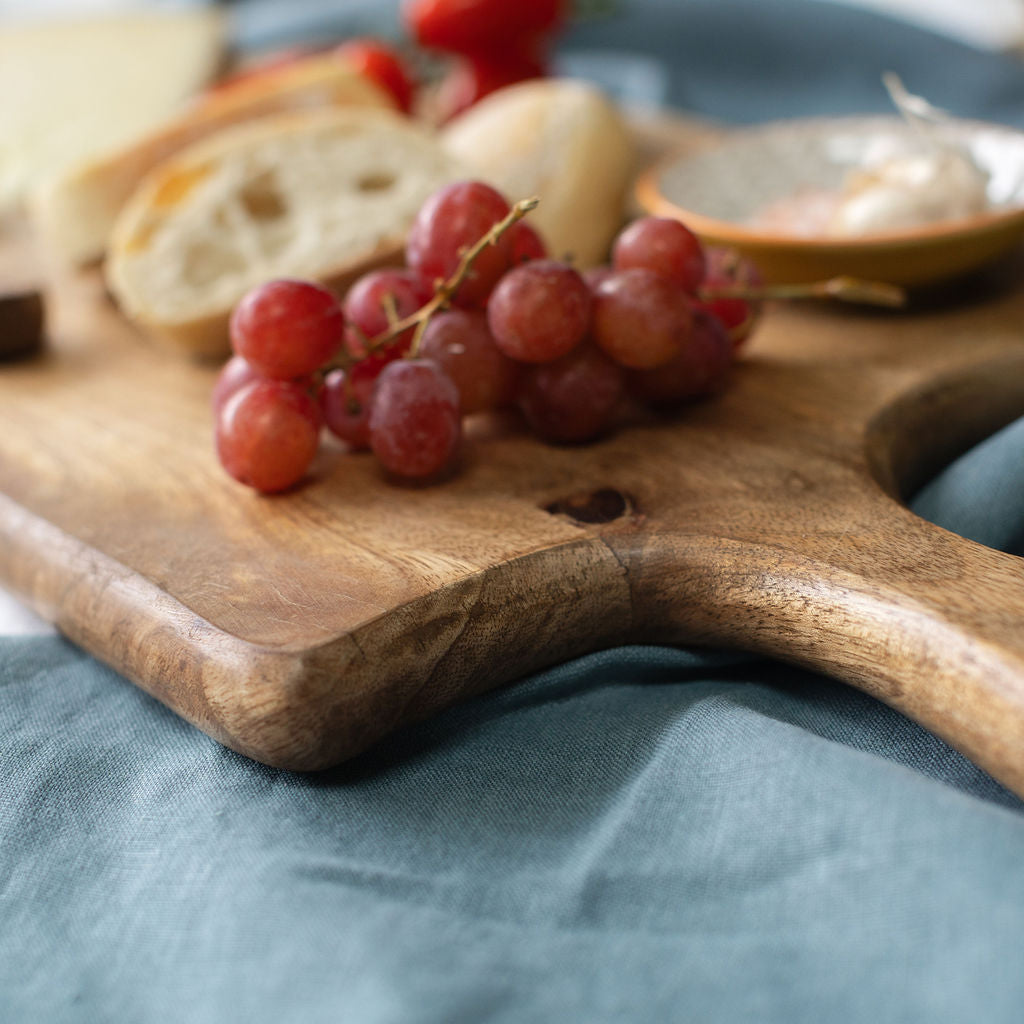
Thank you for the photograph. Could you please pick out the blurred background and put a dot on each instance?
(991, 24)
(716, 57)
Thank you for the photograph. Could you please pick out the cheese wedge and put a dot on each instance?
(76, 88)
(75, 211)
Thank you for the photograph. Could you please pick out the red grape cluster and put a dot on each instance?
(479, 319)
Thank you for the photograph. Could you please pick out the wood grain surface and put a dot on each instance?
(301, 628)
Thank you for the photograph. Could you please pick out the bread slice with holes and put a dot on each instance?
(75, 210)
(322, 195)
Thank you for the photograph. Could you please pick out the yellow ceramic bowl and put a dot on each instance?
(720, 193)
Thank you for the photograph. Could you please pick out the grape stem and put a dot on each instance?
(390, 307)
(444, 290)
(846, 289)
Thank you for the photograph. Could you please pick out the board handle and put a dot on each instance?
(920, 618)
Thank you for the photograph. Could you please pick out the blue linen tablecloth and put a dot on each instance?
(645, 834)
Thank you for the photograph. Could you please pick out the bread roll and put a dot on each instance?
(322, 195)
(75, 210)
(561, 140)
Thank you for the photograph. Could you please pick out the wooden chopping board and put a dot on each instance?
(301, 628)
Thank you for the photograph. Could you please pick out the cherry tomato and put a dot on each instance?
(382, 65)
(469, 26)
(473, 78)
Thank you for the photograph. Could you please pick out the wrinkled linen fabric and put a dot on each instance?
(643, 834)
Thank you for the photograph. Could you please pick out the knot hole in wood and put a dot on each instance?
(601, 506)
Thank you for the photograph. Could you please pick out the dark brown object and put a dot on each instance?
(21, 324)
(22, 310)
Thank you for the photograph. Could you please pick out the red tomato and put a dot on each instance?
(381, 65)
(473, 78)
(469, 26)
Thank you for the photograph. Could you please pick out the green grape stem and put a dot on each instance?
(846, 289)
(444, 292)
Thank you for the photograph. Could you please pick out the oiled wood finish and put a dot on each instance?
(301, 628)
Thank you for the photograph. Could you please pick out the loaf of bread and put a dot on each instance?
(323, 195)
(562, 140)
(75, 88)
(75, 210)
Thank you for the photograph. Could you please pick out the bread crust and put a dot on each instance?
(75, 211)
(205, 338)
(171, 194)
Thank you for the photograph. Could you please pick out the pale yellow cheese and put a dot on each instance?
(74, 89)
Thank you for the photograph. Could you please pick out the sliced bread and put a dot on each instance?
(75, 209)
(323, 195)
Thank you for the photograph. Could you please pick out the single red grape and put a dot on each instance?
(287, 328)
(367, 301)
(698, 370)
(572, 399)
(267, 434)
(452, 220)
(236, 372)
(539, 311)
(383, 66)
(372, 361)
(233, 374)
(370, 368)
(366, 307)
(415, 425)
(459, 341)
(596, 276)
(665, 246)
(727, 267)
(345, 401)
(526, 244)
(640, 318)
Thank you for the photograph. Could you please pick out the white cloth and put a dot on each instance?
(17, 620)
